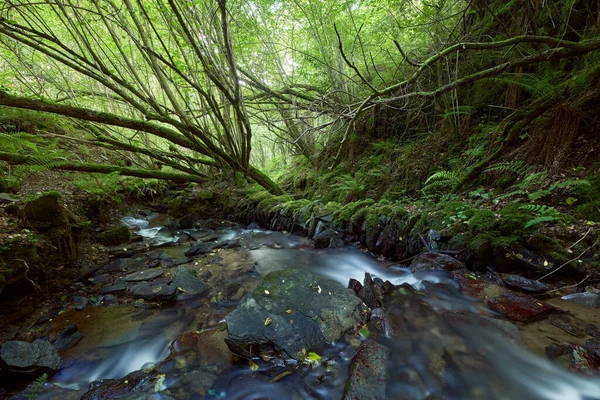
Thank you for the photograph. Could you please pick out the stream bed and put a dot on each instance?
(443, 343)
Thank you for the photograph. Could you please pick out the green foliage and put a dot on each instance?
(588, 211)
(569, 184)
(543, 214)
(517, 168)
(348, 188)
(441, 180)
(36, 388)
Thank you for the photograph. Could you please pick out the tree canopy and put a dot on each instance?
(204, 86)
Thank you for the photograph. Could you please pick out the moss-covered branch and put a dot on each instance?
(105, 169)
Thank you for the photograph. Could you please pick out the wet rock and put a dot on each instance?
(81, 302)
(206, 275)
(253, 226)
(146, 275)
(195, 381)
(29, 358)
(327, 238)
(434, 260)
(520, 307)
(110, 300)
(119, 286)
(556, 350)
(216, 260)
(115, 236)
(560, 354)
(370, 293)
(582, 361)
(138, 385)
(49, 314)
(189, 220)
(116, 265)
(185, 237)
(147, 291)
(187, 283)
(593, 348)
(198, 249)
(505, 330)
(568, 324)
(292, 310)
(367, 372)
(584, 299)
(99, 279)
(525, 285)
(136, 238)
(68, 338)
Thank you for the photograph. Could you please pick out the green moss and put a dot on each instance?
(346, 212)
(240, 180)
(482, 221)
(295, 206)
(271, 202)
(512, 219)
(114, 236)
(588, 211)
(205, 195)
(44, 208)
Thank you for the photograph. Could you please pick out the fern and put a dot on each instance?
(544, 214)
(441, 179)
(513, 167)
(541, 85)
(36, 388)
(511, 194)
(540, 220)
(568, 184)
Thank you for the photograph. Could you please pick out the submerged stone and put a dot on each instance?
(520, 307)
(525, 285)
(368, 372)
(584, 299)
(292, 310)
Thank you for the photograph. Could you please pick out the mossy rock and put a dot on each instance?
(44, 208)
(512, 219)
(346, 212)
(588, 211)
(114, 236)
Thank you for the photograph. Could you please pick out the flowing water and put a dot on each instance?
(442, 343)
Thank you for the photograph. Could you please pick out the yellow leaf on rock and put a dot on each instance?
(253, 365)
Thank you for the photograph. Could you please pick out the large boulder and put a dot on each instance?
(292, 310)
(29, 358)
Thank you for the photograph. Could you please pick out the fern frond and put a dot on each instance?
(513, 167)
(540, 220)
(511, 194)
(539, 194)
(569, 183)
(443, 176)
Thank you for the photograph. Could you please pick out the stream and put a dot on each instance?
(446, 345)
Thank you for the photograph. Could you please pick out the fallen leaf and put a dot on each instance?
(268, 321)
(253, 365)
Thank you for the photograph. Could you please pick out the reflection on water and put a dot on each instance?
(443, 344)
